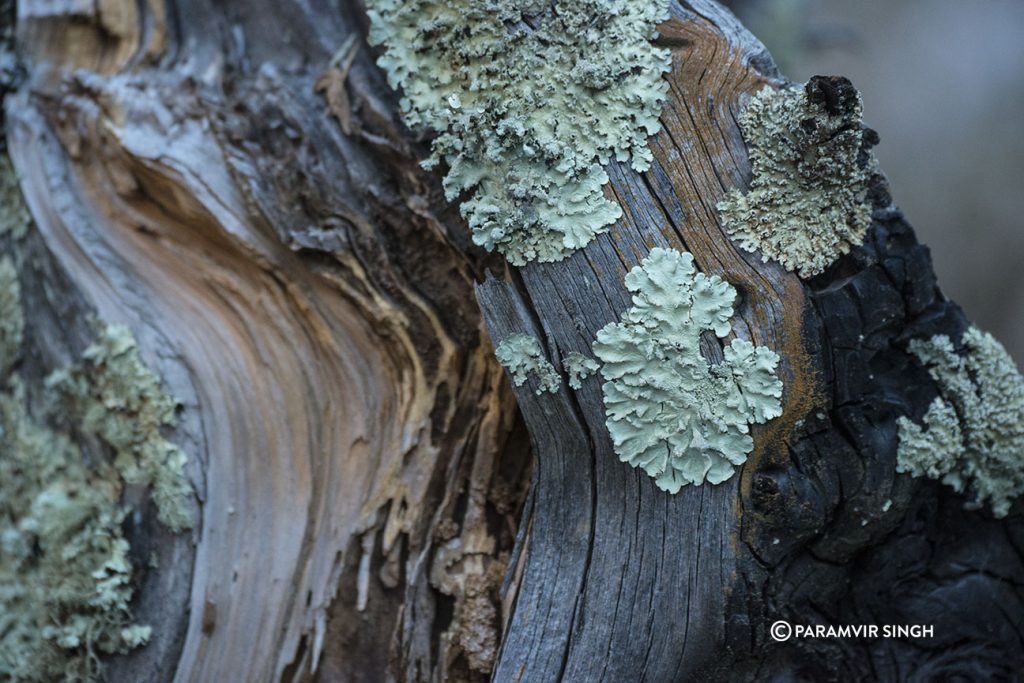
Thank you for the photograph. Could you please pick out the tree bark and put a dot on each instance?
(374, 501)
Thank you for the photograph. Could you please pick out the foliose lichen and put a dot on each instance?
(934, 448)
(811, 160)
(973, 433)
(530, 100)
(14, 218)
(12, 320)
(116, 397)
(65, 573)
(522, 356)
(670, 412)
(578, 367)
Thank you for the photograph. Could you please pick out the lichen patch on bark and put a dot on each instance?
(807, 204)
(670, 412)
(530, 100)
(972, 437)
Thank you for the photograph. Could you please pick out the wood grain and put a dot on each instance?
(299, 291)
(375, 501)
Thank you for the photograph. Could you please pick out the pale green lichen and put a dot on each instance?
(670, 412)
(12, 321)
(933, 449)
(578, 367)
(65, 574)
(807, 204)
(522, 356)
(973, 435)
(116, 397)
(530, 99)
(14, 218)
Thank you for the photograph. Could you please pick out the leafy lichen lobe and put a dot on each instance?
(522, 356)
(670, 412)
(811, 161)
(530, 99)
(578, 367)
(973, 433)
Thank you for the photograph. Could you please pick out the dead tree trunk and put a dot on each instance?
(373, 501)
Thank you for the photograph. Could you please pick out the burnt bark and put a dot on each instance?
(374, 500)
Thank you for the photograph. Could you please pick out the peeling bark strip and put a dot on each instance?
(233, 183)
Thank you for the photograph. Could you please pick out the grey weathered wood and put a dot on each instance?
(301, 284)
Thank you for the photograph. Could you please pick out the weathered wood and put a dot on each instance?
(658, 570)
(676, 587)
(234, 183)
(298, 290)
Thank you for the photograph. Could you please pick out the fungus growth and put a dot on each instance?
(811, 161)
(973, 433)
(530, 99)
(670, 412)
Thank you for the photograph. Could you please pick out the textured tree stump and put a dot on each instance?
(373, 499)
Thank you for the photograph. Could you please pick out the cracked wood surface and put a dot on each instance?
(644, 579)
(817, 528)
(232, 181)
(352, 438)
